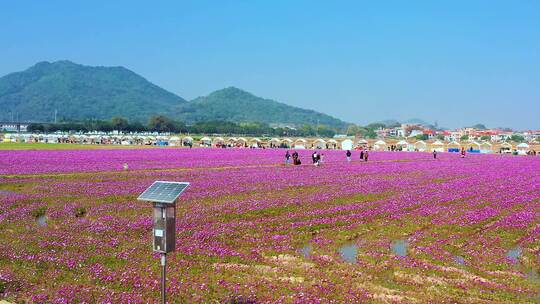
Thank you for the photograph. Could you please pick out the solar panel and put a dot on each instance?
(163, 192)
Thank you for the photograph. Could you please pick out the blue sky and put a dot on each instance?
(457, 62)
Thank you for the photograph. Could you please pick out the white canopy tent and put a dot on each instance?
(402, 145)
(300, 143)
(453, 145)
(362, 143)
(255, 142)
(287, 142)
(347, 144)
(474, 145)
(241, 141)
(522, 148)
(332, 144)
(380, 145)
(174, 141)
(275, 142)
(420, 146)
(205, 141)
(486, 147)
(218, 141)
(437, 146)
(319, 144)
(506, 147)
(188, 140)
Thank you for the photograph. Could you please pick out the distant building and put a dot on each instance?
(13, 126)
(430, 133)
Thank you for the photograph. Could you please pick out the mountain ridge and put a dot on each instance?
(221, 105)
(82, 92)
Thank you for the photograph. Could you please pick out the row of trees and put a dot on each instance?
(165, 124)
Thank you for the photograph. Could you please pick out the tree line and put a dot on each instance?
(163, 124)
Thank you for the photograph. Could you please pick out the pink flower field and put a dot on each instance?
(400, 228)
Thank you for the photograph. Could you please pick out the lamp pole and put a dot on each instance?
(163, 278)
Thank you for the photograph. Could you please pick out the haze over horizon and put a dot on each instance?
(458, 63)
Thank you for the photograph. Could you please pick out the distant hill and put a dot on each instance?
(417, 121)
(233, 104)
(81, 92)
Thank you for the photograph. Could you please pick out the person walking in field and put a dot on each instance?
(287, 158)
(434, 154)
(462, 152)
(348, 154)
(296, 159)
(362, 154)
(366, 155)
(316, 159)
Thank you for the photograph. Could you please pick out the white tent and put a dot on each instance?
(347, 144)
(218, 141)
(275, 142)
(300, 143)
(186, 141)
(174, 141)
(241, 141)
(506, 147)
(486, 147)
(522, 148)
(255, 142)
(474, 145)
(380, 145)
(332, 144)
(52, 138)
(437, 146)
(319, 144)
(454, 145)
(362, 143)
(420, 146)
(403, 145)
(206, 141)
(287, 142)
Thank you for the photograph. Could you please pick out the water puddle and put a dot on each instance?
(42, 220)
(514, 253)
(306, 251)
(348, 252)
(399, 247)
(459, 259)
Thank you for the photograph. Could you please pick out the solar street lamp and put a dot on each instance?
(163, 195)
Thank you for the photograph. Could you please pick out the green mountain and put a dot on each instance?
(81, 92)
(233, 104)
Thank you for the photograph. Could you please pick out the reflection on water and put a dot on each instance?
(348, 252)
(42, 220)
(459, 259)
(306, 251)
(399, 247)
(514, 253)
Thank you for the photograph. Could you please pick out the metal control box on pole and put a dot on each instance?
(163, 195)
